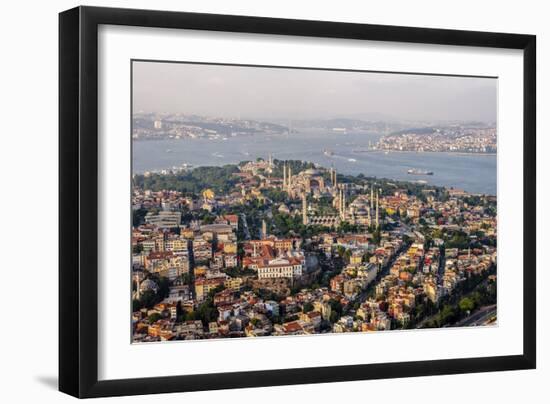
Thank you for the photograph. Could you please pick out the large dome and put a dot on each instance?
(148, 284)
(312, 171)
(359, 203)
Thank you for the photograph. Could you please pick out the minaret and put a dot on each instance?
(368, 216)
(304, 209)
(335, 180)
(377, 212)
(343, 205)
(340, 202)
(289, 179)
(264, 230)
(138, 293)
(284, 175)
(371, 198)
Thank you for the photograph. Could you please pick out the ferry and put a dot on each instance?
(328, 152)
(352, 160)
(416, 171)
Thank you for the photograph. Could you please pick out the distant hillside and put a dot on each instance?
(416, 131)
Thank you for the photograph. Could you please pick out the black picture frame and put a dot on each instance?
(78, 201)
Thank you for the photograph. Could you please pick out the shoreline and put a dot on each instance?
(424, 152)
(170, 171)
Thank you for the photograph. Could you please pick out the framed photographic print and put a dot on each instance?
(251, 201)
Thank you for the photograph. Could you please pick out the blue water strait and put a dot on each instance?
(474, 173)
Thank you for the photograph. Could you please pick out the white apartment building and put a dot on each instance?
(280, 268)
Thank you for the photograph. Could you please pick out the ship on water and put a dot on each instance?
(328, 152)
(417, 171)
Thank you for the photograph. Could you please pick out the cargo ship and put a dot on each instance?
(416, 171)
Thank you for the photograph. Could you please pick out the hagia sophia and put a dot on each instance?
(364, 210)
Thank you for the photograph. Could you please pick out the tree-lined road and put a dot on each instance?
(479, 317)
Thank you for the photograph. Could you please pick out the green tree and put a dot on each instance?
(335, 306)
(153, 318)
(148, 299)
(307, 307)
(186, 278)
(138, 216)
(191, 316)
(347, 255)
(334, 316)
(447, 315)
(376, 236)
(466, 304)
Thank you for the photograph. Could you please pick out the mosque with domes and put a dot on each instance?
(364, 210)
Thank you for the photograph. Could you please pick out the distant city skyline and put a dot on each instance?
(282, 93)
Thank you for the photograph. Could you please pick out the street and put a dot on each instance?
(479, 317)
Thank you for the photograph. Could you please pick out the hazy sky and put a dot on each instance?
(276, 93)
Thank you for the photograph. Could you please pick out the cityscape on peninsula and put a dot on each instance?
(270, 247)
(275, 201)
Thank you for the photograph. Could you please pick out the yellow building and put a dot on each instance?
(176, 245)
(203, 286)
(356, 258)
(208, 194)
(200, 270)
(233, 283)
(230, 248)
(187, 233)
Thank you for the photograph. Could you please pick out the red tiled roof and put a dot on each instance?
(292, 326)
